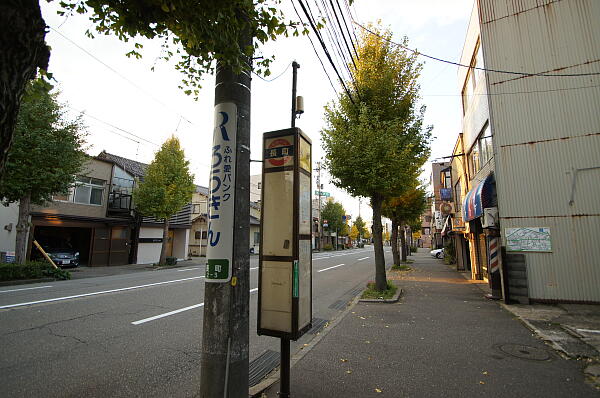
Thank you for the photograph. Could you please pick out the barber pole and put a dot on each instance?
(494, 256)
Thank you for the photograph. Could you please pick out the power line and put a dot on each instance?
(121, 76)
(316, 52)
(276, 77)
(326, 52)
(113, 126)
(518, 92)
(476, 67)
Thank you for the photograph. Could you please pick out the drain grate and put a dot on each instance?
(262, 366)
(338, 305)
(318, 325)
(525, 352)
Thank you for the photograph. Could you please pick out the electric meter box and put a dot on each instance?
(285, 260)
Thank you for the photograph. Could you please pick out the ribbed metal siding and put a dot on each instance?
(544, 127)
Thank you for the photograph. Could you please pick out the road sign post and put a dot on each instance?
(285, 260)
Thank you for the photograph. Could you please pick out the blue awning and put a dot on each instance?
(478, 198)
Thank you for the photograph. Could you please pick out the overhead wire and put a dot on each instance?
(276, 77)
(528, 74)
(325, 50)
(316, 52)
(121, 75)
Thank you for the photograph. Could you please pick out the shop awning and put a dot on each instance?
(478, 198)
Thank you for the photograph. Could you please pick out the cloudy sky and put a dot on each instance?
(122, 96)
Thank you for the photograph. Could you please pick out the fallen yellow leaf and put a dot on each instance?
(367, 342)
(348, 371)
(377, 390)
(344, 360)
(485, 373)
(362, 317)
(482, 382)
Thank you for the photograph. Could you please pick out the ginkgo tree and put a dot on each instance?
(193, 33)
(167, 186)
(375, 141)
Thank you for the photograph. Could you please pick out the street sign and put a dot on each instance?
(322, 193)
(285, 261)
(219, 250)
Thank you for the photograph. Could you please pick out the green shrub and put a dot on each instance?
(327, 247)
(171, 260)
(31, 270)
(449, 253)
(372, 293)
(413, 249)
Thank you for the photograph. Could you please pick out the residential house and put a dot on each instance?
(440, 183)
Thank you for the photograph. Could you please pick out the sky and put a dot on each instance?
(121, 96)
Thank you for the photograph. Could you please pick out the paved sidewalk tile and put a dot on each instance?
(442, 339)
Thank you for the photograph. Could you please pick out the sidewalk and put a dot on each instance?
(442, 339)
(83, 272)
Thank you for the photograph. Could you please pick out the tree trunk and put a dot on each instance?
(380, 278)
(22, 229)
(163, 249)
(22, 50)
(403, 240)
(395, 252)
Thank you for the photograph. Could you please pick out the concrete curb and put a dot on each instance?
(394, 299)
(17, 282)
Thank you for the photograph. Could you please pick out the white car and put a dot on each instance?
(437, 253)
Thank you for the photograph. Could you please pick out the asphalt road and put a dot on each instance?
(137, 334)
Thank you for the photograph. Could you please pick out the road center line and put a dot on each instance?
(123, 289)
(191, 307)
(335, 266)
(364, 258)
(25, 288)
(188, 269)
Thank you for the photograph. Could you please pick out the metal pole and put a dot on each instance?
(285, 369)
(225, 336)
(285, 342)
(295, 67)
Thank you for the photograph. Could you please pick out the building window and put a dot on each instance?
(196, 210)
(426, 231)
(87, 191)
(200, 235)
(473, 77)
(457, 192)
(482, 151)
(259, 184)
(257, 238)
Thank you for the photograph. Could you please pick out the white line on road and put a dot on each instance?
(123, 289)
(364, 258)
(335, 266)
(188, 269)
(588, 330)
(25, 288)
(191, 307)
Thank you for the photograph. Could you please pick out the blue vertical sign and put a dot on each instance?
(219, 249)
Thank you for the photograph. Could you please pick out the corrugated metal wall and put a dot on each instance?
(544, 127)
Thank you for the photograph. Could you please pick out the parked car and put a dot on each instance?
(63, 256)
(437, 253)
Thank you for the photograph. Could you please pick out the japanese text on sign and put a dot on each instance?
(221, 200)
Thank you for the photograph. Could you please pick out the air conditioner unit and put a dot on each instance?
(490, 217)
(446, 208)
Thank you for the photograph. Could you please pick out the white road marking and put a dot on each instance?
(364, 258)
(588, 330)
(187, 269)
(153, 318)
(25, 288)
(123, 289)
(191, 307)
(326, 269)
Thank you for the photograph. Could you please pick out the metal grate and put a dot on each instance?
(262, 366)
(339, 305)
(318, 325)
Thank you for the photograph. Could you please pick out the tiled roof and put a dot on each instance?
(202, 190)
(137, 169)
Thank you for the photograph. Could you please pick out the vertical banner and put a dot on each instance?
(219, 247)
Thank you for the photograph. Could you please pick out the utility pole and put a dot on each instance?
(225, 336)
(319, 227)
